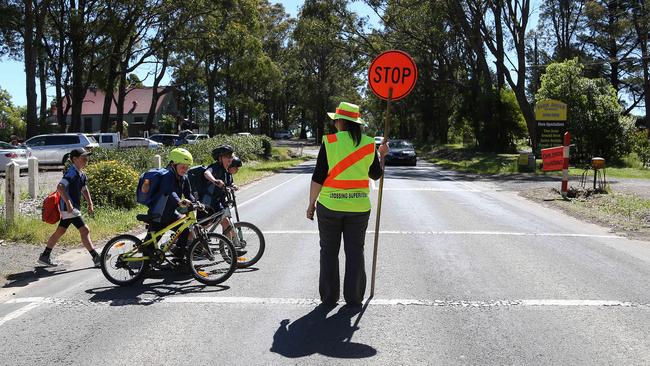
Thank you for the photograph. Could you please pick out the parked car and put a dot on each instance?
(283, 135)
(17, 154)
(244, 134)
(378, 140)
(401, 152)
(54, 149)
(194, 138)
(107, 140)
(166, 139)
(138, 142)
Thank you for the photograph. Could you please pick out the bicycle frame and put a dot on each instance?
(177, 226)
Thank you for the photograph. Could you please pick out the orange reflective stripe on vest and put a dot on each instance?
(344, 164)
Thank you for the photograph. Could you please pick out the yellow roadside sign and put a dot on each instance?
(550, 110)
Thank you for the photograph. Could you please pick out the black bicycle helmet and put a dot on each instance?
(236, 162)
(222, 150)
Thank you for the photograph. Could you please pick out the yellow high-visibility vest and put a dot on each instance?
(346, 187)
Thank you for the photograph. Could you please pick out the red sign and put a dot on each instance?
(394, 70)
(553, 158)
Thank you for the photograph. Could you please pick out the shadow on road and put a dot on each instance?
(23, 279)
(316, 333)
(172, 284)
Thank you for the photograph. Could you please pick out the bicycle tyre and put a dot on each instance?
(139, 275)
(260, 250)
(226, 250)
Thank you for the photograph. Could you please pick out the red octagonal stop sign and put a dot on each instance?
(394, 70)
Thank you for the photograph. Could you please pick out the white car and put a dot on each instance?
(194, 138)
(107, 140)
(54, 149)
(17, 154)
(138, 142)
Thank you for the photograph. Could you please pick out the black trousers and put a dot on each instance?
(352, 225)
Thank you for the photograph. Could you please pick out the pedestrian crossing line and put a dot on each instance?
(225, 300)
(452, 233)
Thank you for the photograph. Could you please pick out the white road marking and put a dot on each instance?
(33, 302)
(269, 191)
(460, 233)
(20, 312)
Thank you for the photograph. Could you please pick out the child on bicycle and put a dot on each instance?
(175, 193)
(233, 169)
(72, 186)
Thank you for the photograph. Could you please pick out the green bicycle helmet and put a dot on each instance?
(236, 162)
(180, 156)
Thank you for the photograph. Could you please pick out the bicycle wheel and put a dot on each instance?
(115, 268)
(249, 244)
(211, 262)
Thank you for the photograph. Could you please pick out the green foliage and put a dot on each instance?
(112, 184)
(141, 159)
(593, 111)
(167, 124)
(11, 122)
(641, 146)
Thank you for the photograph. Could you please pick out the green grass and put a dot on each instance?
(107, 223)
(104, 224)
(459, 158)
(252, 171)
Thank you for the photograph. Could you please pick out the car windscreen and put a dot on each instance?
(399, 144)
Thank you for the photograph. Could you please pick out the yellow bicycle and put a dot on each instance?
(211, 257)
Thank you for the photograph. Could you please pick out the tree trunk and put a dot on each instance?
(155, 95)
(30, 69)
(78, 66)
(42, 76)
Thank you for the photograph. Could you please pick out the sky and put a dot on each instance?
(12, 74)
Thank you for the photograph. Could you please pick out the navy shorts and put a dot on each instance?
(78, 222)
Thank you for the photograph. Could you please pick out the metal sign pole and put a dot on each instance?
(379, 197)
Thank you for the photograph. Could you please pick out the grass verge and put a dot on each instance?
(622, 212)
(107, 223)
(459, 158)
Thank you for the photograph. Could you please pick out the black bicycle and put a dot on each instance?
(247, 238)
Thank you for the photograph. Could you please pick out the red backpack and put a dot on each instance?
(51, 212)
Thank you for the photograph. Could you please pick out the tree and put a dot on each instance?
(593, 111)
(11, 122)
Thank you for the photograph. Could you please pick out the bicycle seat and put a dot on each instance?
(147, 218)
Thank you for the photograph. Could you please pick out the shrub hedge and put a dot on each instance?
(140, 159)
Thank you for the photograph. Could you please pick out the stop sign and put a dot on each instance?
(394, 70)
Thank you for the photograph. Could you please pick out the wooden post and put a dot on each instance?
(379, 196)
(12, 200)
(157, 162)
(565, 167)
(32, 169)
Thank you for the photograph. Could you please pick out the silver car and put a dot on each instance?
(17, 154)
(53, 149)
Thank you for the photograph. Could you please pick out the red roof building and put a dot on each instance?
(136, 108)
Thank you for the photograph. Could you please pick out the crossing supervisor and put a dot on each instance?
(339, 196)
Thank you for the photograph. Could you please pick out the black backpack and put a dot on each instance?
(198, 183)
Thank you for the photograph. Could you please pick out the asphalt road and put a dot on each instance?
(467, 274)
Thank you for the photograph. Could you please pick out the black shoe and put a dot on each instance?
(46, 261)
(241, 252)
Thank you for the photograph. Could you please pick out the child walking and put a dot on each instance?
(72, 186)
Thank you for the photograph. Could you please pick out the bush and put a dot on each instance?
(141, 159)
(112, 184)
(641, 146)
